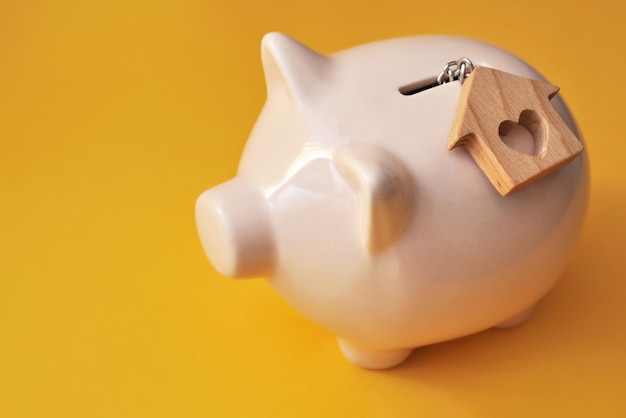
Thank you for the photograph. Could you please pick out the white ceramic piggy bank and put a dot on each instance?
(348, 201)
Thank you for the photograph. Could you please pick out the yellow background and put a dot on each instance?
(115, 115)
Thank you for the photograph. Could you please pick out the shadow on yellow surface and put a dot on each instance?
(566, 354)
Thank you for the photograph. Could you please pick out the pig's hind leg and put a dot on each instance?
(518, 319)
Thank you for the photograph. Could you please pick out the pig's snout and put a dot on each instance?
(234, 224)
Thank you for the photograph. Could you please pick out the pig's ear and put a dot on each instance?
(293, 67)
(385, 191)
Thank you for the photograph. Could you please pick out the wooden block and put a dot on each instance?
(491, 103)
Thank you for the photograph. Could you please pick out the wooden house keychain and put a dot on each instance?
(492, 102)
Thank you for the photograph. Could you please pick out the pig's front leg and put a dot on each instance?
(373, 359)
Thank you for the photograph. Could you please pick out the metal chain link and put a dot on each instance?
(456, 70)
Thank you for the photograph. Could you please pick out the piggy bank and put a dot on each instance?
(349, 203)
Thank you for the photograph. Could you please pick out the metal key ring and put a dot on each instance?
(456, 70)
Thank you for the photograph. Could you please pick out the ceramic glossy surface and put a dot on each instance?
(348, 201)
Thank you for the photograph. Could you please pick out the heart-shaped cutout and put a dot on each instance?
(527, 136)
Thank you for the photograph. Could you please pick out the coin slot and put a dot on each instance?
(419, 86)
